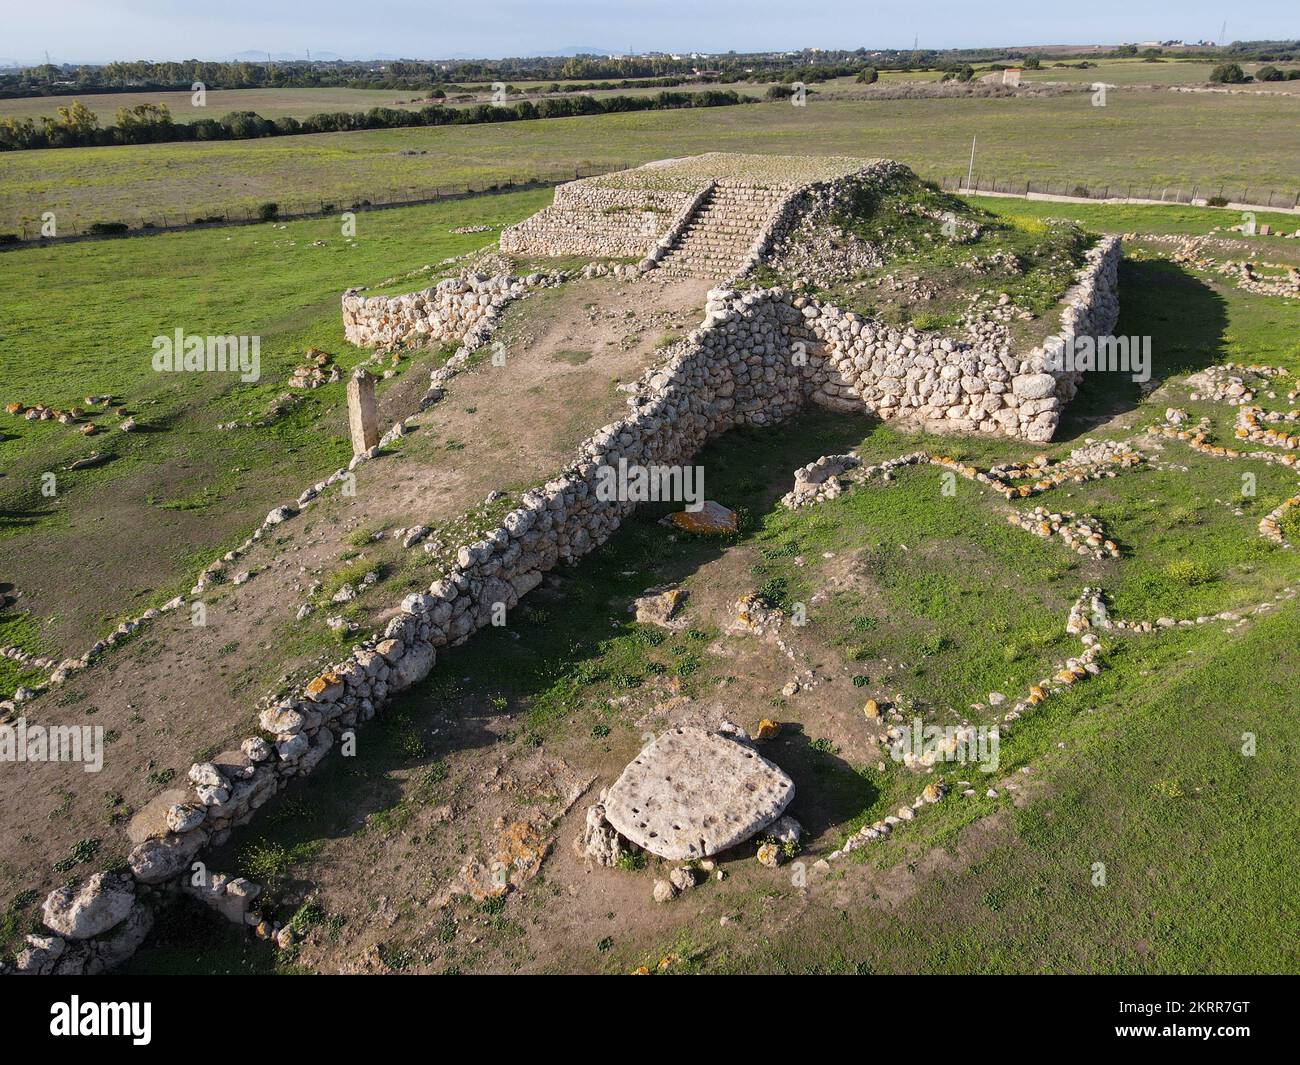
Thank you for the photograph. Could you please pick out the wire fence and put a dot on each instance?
(1253, 195)
(172, 221)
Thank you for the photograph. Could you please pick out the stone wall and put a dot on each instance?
(450, 311)
(591, 219)
(947, 385)
(738, 367)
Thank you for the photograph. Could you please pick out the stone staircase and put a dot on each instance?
(717, 238)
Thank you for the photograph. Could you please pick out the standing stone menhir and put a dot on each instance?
(363, 413)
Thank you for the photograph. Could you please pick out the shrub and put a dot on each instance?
(267, 211)
(265, 863)
(8, 238)
(868, 76)
(776, 591)
(1217, 201)
(1228, 74)
(1189, 571)
(101, 229)
(1269, 73)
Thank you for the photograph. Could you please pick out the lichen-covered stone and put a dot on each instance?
(693, 793)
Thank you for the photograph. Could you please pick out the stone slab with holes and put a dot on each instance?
(692, 793)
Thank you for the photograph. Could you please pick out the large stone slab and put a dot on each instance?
(693, 793)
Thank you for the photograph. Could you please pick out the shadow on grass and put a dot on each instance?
(1186, 321)
(15, 518)
(572, 637)
(828, 790)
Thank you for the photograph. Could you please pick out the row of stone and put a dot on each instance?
(951, 385)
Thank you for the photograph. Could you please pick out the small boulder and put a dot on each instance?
(682, 878)
(156, 860)
(100, 903)
(785, 829)
(660, 606)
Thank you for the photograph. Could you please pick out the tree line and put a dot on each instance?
(76, 126)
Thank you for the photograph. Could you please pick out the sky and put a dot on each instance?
(102, 30)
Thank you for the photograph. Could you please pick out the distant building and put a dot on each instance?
(1011, 76)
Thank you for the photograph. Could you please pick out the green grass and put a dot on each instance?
(181, 481)
(1031, 259)
(1152, 782)
(1132, 218)
(1160, 138)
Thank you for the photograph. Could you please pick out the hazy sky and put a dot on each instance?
(97, 30)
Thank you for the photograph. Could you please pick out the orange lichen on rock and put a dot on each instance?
(711, 519)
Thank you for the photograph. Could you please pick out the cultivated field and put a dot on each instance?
(299, 103)
(1173, 139)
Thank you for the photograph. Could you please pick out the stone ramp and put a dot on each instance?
(588, 219)
(717, 238)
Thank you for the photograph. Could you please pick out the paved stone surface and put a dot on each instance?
(693, 793)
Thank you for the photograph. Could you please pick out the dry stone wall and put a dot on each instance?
(948, 385)
(450, 311)
(591, 219)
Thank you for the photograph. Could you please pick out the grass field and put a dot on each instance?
(1169, 139)
(82, 322)
(1139, 72)
(300, 103)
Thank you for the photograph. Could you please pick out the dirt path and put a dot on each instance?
(414, 914)
(179, 692)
